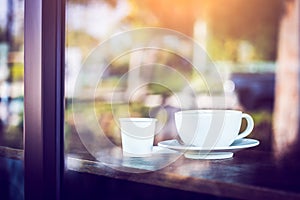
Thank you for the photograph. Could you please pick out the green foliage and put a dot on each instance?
(160, 89)
(229, 22)
(135, 109)
(17, 71)
(255, 21)
(2, 35)
(83, 40)
(85, 2)
(222, 49)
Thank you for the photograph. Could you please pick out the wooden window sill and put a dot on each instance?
(250, 174)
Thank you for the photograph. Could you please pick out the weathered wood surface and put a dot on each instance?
(250, 174)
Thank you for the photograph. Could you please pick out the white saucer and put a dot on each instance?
(194, 152)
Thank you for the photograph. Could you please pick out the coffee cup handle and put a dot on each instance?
(250, 126)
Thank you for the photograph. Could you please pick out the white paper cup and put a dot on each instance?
(137, 136)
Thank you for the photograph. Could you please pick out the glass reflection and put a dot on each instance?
(11, 72)
(239, 54)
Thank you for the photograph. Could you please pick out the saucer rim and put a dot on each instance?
(253, 143)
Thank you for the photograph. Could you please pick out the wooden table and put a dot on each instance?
(250, 174)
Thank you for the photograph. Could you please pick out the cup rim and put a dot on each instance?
(207, 111)
(137, 119)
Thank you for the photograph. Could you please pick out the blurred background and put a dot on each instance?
(252, 44)
(240, 38)
(11, 72)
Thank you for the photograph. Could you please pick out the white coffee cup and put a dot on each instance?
(137, 135)
(211, 128)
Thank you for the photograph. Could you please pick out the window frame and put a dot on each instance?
(44, 46)
(44, 98)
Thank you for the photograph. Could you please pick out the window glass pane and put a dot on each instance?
(11, 98)
(11, 72)
(196, 55)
